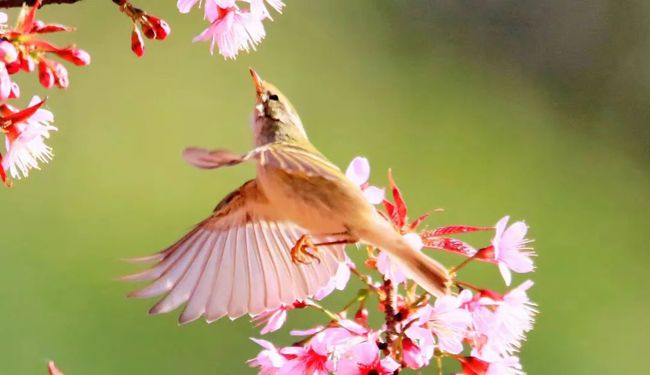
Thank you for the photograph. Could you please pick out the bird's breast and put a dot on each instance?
(315, 203)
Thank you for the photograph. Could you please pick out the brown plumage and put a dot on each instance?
(242, 259)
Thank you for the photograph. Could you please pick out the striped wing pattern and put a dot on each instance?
(234, 263)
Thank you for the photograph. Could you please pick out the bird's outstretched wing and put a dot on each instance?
(235, 262)
(291, 158)
(296, 159)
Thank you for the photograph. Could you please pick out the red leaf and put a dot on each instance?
(418, 221)
(447, 244)
(390, 208)
(22, 115)
(399, 202)
(453, 229)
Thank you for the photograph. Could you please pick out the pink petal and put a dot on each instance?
(275, 322)
(184, 6)
(359, 170)
(505, 273)
(414, 240)
(373, 194)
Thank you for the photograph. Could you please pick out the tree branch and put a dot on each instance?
(19, 3)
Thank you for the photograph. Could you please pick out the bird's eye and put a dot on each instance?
(273, 97)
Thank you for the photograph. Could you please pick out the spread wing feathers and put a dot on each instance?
(295, 159)
(235, 262)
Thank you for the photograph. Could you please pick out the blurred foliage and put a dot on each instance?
(479, 109)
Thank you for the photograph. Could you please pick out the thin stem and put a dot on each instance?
(439, 365)
(453, 270)
(468, 285)
(330, 314)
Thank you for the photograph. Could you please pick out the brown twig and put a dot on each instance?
(19, 3)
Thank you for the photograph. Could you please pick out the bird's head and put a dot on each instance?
(274, 118)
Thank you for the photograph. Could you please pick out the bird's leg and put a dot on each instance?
(305, 250)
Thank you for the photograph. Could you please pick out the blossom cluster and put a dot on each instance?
(23, 49)
(482, 330)
(234, 25)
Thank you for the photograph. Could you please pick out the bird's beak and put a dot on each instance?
(257, 81)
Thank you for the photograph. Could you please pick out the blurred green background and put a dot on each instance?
(535, 109)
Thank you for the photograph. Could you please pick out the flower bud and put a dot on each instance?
(161, 28)
(8, 53)
(75, 55)
(61, 75)
(27, 63)
(137, 44)
(45, 75)
(148, 30)
(13, 67)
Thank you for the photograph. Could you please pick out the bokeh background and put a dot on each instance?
(537, 109)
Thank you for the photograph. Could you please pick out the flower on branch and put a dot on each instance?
(233, 28)
(481, 328)
(25, 133)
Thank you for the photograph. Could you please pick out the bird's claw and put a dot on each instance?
(304, 251)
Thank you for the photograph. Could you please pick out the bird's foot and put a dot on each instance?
(304, 251)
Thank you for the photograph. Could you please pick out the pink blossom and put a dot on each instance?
(390, 269)
(448, 320)
(313, 358)
(500, 324)
(259, 8)
(415, 356)
(338, 282)
(25, 142)
(359, 172)
(510, 249)
(268, 360)
(364, 359)
(232, 30)
(273, 320)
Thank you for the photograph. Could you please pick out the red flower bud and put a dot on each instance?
(75, 55)
(148, 30)
(61, 75)
(160, 27)
(137, 44)
(27, 63)
(13, 67)
(45, 75)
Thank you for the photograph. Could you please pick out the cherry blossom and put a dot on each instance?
(448, 319)
(364, 359)
(483, 329)
(501, 322)
(24, 139)
(510, 250)
(273, 320)
(269, 360)
(234, 25)
(359, 172)
(338, 282)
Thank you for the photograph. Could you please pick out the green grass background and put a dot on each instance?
(480, 140)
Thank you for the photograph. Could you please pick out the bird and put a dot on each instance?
(279, 237)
